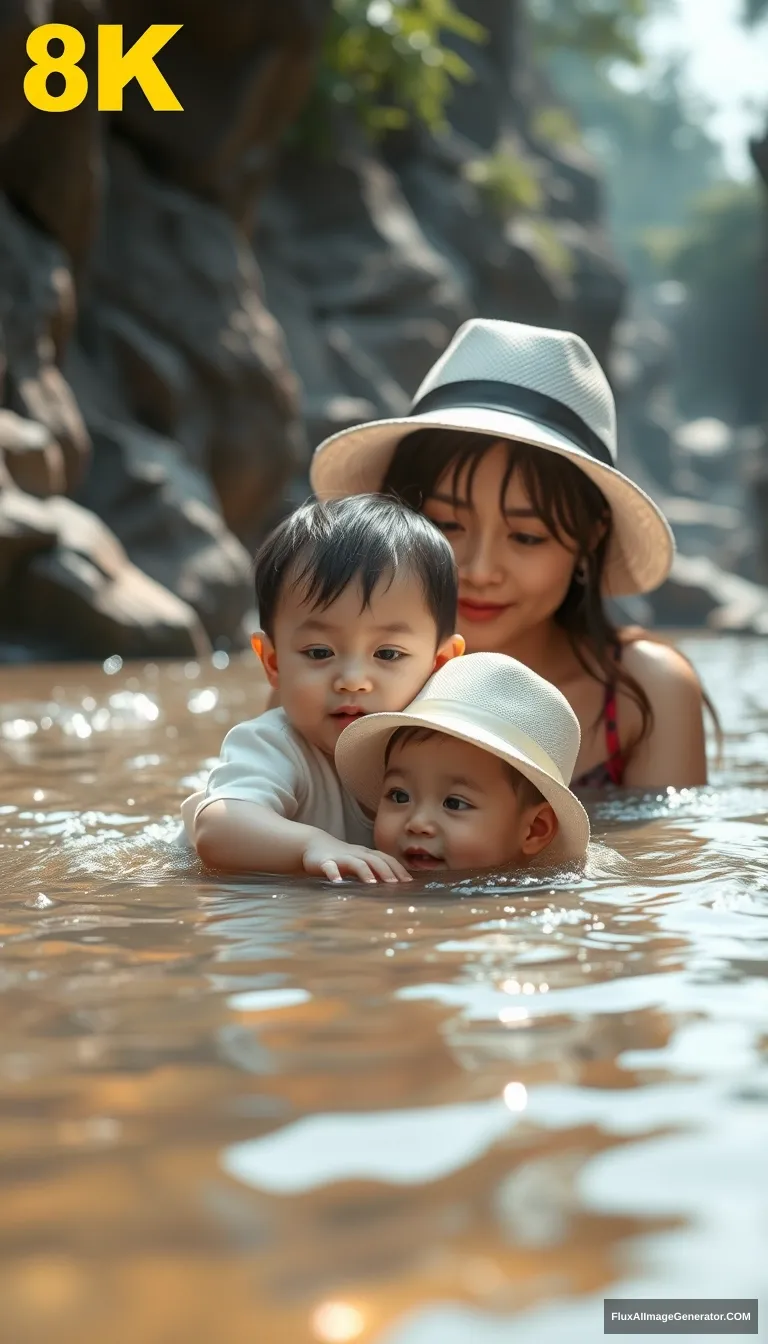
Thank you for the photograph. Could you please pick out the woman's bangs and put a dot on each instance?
(566, 501)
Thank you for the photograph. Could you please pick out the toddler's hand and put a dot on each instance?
(331, 858)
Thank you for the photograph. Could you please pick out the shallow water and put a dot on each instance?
(281, 1112)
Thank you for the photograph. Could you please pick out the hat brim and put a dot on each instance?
(642, 546)
(360, 753)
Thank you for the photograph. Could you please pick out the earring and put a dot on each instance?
(581, 573)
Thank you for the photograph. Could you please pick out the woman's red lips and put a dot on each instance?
(480, 611)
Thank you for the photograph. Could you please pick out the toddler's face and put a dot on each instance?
(334, 664)
(448, 804)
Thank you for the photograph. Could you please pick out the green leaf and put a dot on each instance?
(508, 183)
(388, 60)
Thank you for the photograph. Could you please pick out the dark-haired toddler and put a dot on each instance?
(357, 602)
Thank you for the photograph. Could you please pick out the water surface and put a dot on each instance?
(279, 1111)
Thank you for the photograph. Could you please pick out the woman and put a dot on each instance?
(510, 448)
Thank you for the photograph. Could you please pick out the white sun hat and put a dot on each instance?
(493, 702)
(528, 384)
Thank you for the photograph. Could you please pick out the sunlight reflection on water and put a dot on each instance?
(466, 1113)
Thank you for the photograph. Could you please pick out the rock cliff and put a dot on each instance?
(189, 301)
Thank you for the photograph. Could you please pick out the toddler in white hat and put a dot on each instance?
(474, 773)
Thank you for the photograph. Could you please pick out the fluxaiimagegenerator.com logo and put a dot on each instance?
(116, 67)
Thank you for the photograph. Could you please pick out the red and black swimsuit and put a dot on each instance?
(611, 770)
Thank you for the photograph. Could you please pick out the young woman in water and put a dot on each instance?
(510, 448)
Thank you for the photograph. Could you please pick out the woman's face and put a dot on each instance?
(513, 573)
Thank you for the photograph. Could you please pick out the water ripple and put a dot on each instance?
(470, 1111)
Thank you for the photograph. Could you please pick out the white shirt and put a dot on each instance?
(266, 761)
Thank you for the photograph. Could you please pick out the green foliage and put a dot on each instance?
(600, 30)
(387, 60)
(554, 254)
(509, 185)
(555, 126)
(506, 181)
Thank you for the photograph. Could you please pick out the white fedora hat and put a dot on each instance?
(493, 702)
(529, 384)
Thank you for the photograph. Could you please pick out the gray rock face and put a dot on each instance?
(241, 69)
(142, 373)
(374, 255)
(37, 315)
(51, 165)
(184, 343)
(32, 456)
(381, 302)
(187, 306)
(699, 593)
(66, 577)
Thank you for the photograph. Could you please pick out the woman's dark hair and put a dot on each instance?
(323, 547)
(569, 504)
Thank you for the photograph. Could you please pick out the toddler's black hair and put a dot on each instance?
(325, 546)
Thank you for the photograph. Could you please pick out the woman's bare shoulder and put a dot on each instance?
(660, 668)
(673, 753)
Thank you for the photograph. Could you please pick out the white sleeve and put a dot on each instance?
(259, 763)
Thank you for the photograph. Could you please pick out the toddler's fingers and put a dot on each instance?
(382, 866)
(331, 871)
(359, 868)
(400, 873)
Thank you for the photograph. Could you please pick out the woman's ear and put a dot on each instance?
(539, 830)
(599, 530)
(452, 648)
(265, 652)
